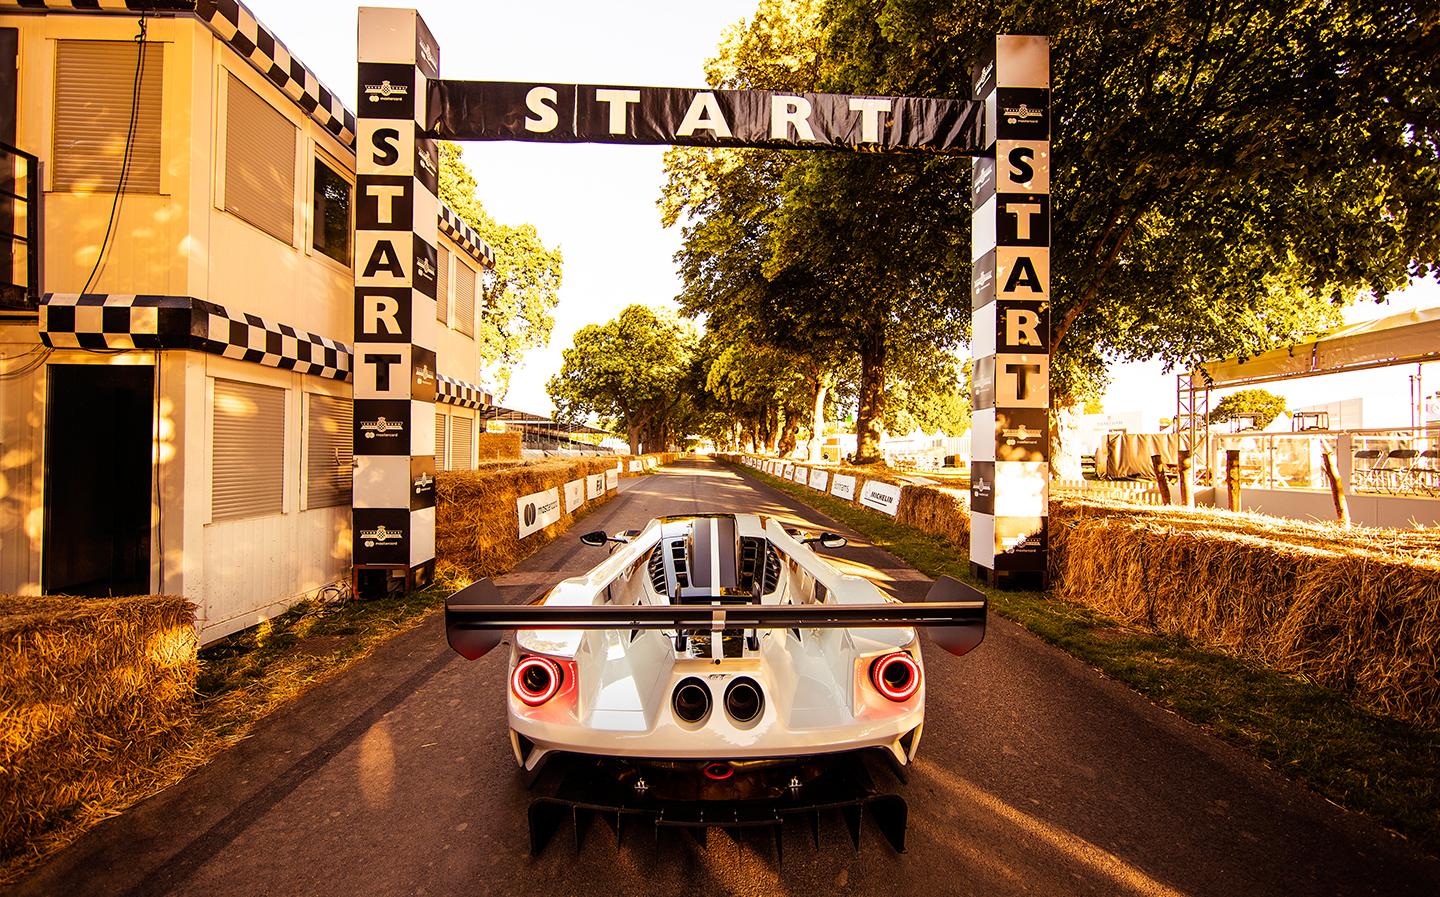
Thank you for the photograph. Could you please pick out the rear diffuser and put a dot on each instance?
(591, 786)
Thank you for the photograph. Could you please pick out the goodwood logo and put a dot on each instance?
(382, 427)
(1023, 114)
(423, 482)
(424, 375)
(381, 535)
(427, 162)
(426, 269)
(428, 54)
(1020, 434)
(387, 91)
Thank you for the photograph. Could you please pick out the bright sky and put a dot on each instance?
(596, 202)
(1144, 387)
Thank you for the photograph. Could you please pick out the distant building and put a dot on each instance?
(1346, 414)
(185, 425)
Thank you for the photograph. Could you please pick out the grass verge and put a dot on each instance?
(1385, 768)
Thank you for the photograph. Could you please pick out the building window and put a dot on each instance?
(331, 219)
(247, 451)
(462, 443)
(442, 288)
(440, 420)
(464, 298)
(259, 163)
(95, 95)
(328, 452)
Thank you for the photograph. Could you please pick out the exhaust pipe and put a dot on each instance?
(691, 700)
(743, 700)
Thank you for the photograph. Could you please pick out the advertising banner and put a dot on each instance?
(881, 496)
(612, 479)
(594, 486)
(818, 478)
(574, 495)
(538, 511)
(843, 487)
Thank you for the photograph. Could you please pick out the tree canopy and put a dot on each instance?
(524, 287)
(634, 370)
(1265, 405)
(1225, 178)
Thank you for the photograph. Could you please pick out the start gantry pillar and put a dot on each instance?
(397, 183)
(1010, 379)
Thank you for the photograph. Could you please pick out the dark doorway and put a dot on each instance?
(97, 479)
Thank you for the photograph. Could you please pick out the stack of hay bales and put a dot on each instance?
(95, 696)
(476, 510)
(1355, 609)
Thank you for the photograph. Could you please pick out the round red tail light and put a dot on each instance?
(535, 680)
(719, 771)
(896, 676)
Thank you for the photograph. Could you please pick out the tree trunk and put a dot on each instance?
(787, 437)
(871, 416)
(817, 418)
(1064, 438)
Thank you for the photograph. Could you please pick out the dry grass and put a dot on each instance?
(1355, 609)
(96, 696)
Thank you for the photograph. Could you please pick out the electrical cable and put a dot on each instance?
(125, 159)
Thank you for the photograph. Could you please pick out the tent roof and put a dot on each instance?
(1406, 338)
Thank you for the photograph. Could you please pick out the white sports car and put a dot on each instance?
(715, 671)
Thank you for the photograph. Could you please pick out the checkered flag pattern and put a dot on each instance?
(458, 392)
(238, 27)
(118, 321)
(1010, 333)
(457, 229)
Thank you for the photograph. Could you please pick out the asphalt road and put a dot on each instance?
(1035, 775)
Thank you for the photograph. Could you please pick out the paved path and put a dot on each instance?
(1035, 775)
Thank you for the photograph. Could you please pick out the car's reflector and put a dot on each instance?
(896, 676)
(535, 680)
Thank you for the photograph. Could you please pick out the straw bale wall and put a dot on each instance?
(1355, 609)
(476, 522)
(94, 695)
(498, 446)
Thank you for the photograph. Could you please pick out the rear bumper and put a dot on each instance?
(679, 794)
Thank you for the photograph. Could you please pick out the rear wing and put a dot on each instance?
(953, 613)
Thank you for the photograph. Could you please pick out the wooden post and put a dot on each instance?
(1342, 507)
(1161, 478)
(1232, 478)
(1186, 497)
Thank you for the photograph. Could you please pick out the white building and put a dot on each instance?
(184, 426)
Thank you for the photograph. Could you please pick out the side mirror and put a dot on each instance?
(831, 540)
(596, 538)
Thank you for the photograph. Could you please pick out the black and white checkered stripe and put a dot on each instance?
(459, 230)
(1010, 263)
(462, 394)
(117, 321)
(238, 27)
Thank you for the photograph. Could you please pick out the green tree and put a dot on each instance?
(1266, 406)
(524, 287)
(804, 248)
(632, 370)
(1223, 175)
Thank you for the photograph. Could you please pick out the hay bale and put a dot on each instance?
(940, 510)
(498, 446)
(475, 511)
(94, 696)
(1354, 609)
